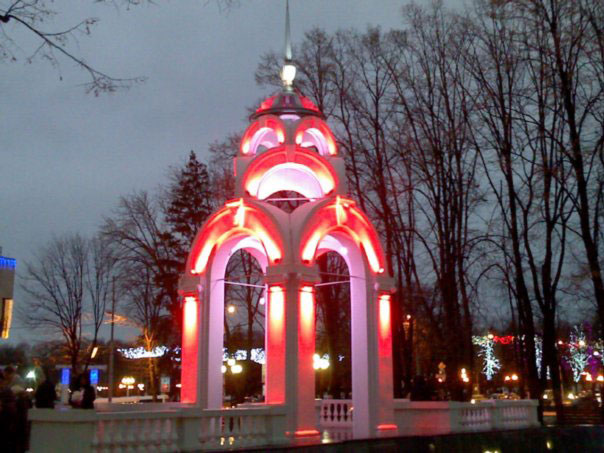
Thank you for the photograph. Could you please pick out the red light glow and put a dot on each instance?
(384, 302)
(308, 104)
(306, 350)
(275, 346)
(261, 179)
(342, 215)
(189, 350)
(314, 132)
(306, 432)
(235, 219)
(268, 131)
(387, 426)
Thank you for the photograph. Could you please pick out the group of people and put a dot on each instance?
(15, 402)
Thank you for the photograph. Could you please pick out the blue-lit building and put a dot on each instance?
(7, 283)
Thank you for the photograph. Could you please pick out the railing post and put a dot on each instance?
(497, 421)
(455, 414)
(188, 430)
(275, 425)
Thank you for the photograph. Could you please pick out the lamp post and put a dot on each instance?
(128, 384)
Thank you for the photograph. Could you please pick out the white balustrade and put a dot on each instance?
(335, 413)
(234, 428)
(448, 417)
(133, 431)
(185, 428)
(474, 417)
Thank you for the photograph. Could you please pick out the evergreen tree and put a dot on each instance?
(188, 204)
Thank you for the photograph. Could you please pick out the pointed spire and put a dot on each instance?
(288, 72)
(288, 43)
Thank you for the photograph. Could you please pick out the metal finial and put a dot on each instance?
(288, 42)
(288, 72)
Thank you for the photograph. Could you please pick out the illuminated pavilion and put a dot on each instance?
(289, 146)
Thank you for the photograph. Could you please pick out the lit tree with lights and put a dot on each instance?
(487, 352)
(579, 357)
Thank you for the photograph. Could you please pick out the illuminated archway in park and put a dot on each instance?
(289, 147)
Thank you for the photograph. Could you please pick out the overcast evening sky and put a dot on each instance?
(66, 157)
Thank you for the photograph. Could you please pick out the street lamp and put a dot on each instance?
(128, 384)
(320, 363)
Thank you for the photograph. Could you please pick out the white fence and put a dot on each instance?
(184, 429)
(447, 417)
(334, 413)
(171, 427)
(437, 417)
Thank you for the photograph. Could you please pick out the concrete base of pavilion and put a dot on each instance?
(180, 427)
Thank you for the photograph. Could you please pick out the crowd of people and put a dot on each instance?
(16, 398)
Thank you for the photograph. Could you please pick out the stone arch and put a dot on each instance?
(314, 132)
(284, 168)
(340, 215)
(237, 219)
(268, 131)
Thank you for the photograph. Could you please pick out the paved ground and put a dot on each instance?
(573, 439)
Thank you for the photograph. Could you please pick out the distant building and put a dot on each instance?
(7, 283)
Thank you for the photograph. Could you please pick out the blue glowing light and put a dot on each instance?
(8, 263)
(65, 372)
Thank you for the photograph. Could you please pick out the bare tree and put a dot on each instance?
(571, 34)
(55, 286)
(68, 285)
(434, 94)
(520, 148)
(101, 269)
(148, 270)
(55, 45)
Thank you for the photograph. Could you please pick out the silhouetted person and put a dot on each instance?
(88, 393)
(46, 393)
(418, 389)
(8, 416)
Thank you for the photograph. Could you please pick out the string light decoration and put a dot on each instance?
(577, 348)
(142, 353)
(487, 352)
(538, 353)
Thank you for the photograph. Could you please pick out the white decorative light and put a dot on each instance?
(320, 362)
(142, 353)
(487, 352)
(288, 74)
(579, 358)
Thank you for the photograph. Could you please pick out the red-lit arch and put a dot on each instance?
(341, 217)
(314, 132)
(301, 171)
(237, 219)
(268, 131)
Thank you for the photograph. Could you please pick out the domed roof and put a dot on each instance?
(287, 101)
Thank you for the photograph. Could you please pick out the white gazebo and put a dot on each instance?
(289, 147)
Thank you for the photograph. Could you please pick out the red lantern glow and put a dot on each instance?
(190, 346)
(342, 216)
(235, 219)
(275, 346)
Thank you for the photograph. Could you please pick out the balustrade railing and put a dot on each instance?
(185, 428)
(335, 413)
(134, 431)
(447, 417)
